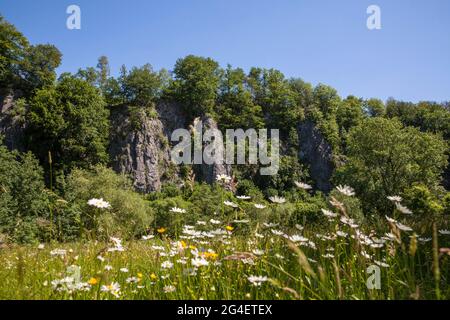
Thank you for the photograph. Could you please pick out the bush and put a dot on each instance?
(129, 215)
(24, 203)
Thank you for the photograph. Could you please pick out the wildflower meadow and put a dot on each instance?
(229, 258)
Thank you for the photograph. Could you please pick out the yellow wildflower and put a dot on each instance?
(93, 281)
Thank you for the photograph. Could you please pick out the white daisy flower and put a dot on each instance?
(257, 280)
(258, 252)
(199, 262)
(403, 227)
(277, 199)
(396, 199)
(329, 214)
(223, 178)
(230, 204)
(346, 190)
(167, 265)
(58, 252)
(177, 210)
(302, 185)
(402, 209)
(169, 289)
(99, 203)
(113, 288)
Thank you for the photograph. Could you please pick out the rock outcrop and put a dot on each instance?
(139, 147)
(12, 124)
(209, 172)
(317, 153)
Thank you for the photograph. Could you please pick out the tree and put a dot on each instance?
(273, 93)
(384, 158)
(89, 74)
(349, 113)
(326, 99)
(38, 67)
(141, 86)
(374, 108)
(13, 46)
(196, 84)
(103, 72)
(236, 108)
(70, 121)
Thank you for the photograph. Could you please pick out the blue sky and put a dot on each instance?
(317, 40)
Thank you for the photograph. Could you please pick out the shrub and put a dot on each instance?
(129, 215)
(23, 199)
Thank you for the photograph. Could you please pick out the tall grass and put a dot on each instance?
(207, 261)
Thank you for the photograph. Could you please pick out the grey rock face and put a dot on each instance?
(209, 172)
(12, 126)
(317, 153)
(171, 116)
(139, 147)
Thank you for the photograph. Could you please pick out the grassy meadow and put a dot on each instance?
(236, 259)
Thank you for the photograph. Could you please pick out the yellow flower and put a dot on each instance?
(210, 255)
(140, 275)
(153, 276)
(183, 244)
(161, 230)
(93, 281)
(192, 247)
(229, 228)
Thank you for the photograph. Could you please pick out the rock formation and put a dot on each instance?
(139, 147)
(317, 153)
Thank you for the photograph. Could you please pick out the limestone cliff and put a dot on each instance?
(317, 153)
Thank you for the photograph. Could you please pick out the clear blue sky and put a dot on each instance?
(317, 40)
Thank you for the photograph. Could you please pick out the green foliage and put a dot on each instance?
(290, 170)
(22, 66)
(384, 158)
(23, 200)
(274, 94)
(129, 215)
(446, 204)
(428, 116)
(374, 107)
(13, 46)
(349, 113)
(140, 86)
(248, 188)
(38, 67)
(326, 100)
(308, 211)
(70, 121)
(236, 108)
(422, 202)
(196, 84)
